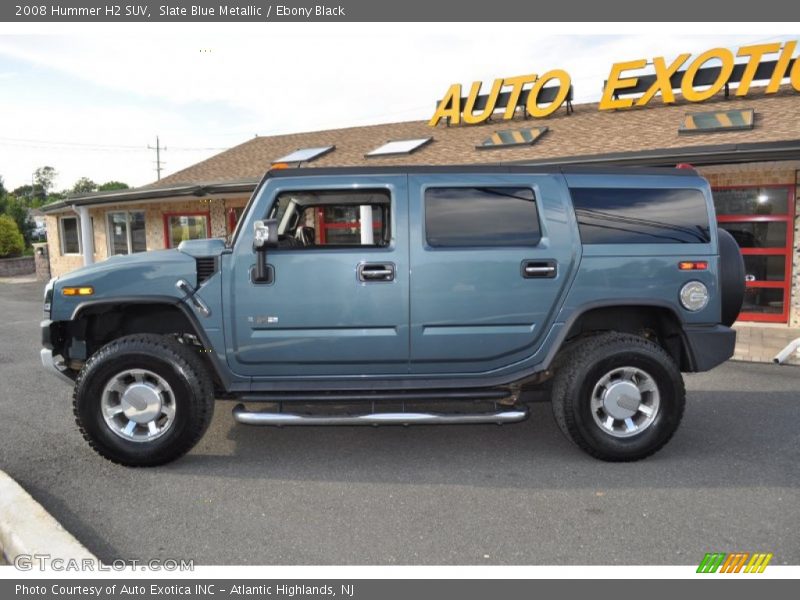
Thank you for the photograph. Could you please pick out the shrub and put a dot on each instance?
(11, 241)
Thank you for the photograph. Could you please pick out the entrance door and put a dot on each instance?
(337, 303)
(761, 221)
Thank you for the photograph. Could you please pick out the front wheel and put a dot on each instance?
(619, 397)
(143, 400)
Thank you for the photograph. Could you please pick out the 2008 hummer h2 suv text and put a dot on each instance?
(429, 295)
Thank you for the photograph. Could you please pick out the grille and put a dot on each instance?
(206, 267)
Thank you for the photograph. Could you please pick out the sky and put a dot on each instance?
(89, 100)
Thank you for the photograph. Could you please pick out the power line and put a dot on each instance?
(9, 141)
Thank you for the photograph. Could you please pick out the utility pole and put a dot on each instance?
(158, 150)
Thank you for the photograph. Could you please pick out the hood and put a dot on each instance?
(132, 276)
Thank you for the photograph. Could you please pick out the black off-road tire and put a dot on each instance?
(179, 365)
(584, 364)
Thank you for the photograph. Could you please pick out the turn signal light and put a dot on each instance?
(279, 166)
(693, 265)
(78, 291)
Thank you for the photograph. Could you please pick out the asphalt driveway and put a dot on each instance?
(517, 494)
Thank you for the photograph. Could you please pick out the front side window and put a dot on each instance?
(70, 235)
(641, 215)
(182, 227)
(333, 218)
(481, 216)
(126, 232)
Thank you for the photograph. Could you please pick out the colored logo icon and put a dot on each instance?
(735, 562)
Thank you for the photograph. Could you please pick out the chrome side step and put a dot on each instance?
(276, 419)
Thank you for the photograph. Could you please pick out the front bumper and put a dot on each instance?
(52, 363)
(709, 346)
(55, 365)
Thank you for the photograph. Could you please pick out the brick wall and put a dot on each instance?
(154, 226)
(42, 261)
(768, 173)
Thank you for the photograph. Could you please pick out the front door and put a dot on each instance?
(337, 303)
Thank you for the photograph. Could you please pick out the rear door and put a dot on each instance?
(338, 300)
(490, 255)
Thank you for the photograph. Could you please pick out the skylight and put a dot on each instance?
(305, 154)
(400, 147)
(512, 137)
(718, 120)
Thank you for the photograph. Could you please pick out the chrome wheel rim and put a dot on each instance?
(625, 402)
(138, 405)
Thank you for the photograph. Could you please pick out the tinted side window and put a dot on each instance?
(641, 216)
(486, 216)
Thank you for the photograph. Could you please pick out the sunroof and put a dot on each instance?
(400, 147)
(512, 137)
(305, 154)
(718, 120)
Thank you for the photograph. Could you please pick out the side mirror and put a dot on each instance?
(265, 236)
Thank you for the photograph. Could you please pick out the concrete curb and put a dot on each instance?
(20, 279)
(27, 529)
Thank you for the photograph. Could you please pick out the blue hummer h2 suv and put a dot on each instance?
(409, 295)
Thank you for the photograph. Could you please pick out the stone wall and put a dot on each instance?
(11, 267)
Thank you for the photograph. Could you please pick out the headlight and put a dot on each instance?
(694, 296)
(48, 295)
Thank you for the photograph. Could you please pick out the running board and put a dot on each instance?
(387, 396)
(246, 417)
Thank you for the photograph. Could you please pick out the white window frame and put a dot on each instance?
(129, 239)
(61, 235)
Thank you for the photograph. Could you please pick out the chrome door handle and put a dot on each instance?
(539, 269)
(370, 272)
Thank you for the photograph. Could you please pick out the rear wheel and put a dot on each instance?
(619, 397)
(143, 400)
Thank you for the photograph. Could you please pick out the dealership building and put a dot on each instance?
(747, 146)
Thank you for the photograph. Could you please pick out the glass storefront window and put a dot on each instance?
(755, 234)
(765, 268)
(763, 300)
(342, 224)
(185, 227)
(761, 221)
(126, 233)
(752, 201)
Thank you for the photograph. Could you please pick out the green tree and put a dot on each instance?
(84, 185)
(113, 185)
(31, 195)
(3, 196)
(18, 210)
(43, 179)
(11, 242)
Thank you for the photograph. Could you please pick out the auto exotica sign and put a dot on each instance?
(627, 85)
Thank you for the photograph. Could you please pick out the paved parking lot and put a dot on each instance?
(517, 494)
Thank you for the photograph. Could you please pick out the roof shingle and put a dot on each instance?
(587, 131)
